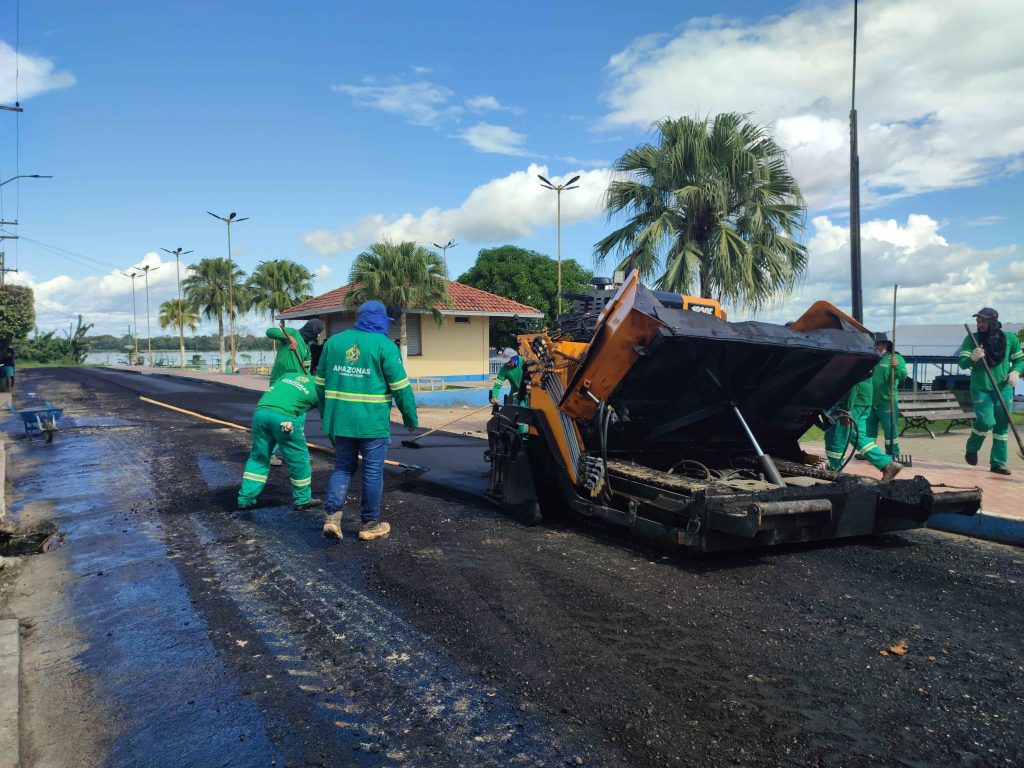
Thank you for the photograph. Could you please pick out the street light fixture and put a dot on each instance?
(229, 219)
(444, 250)
(149, 336)
(135, 317)
(24, 176)
(558, 189)
(177, 253)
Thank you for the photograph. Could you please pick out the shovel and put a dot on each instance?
(412, 443)
(999, 393)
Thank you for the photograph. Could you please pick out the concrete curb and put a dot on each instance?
(3, 481)
(10, 699)
(1005, 530)
(228, 385)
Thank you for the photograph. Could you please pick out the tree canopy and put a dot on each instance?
(525, 276)
(17, 312)
(711, 207)
(277, 285)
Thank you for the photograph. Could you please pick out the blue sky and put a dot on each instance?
(333, 124)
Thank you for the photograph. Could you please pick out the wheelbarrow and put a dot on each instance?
(39, 421)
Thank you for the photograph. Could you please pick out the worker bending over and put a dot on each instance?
(360, 371)
(278, 421)
(512, 372)
(852, 410)
(885, 406)
(293, 356)
(1002, 352)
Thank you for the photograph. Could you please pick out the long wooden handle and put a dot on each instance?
(892, 376)
(298, 357)
(999, 394)
(460, 418)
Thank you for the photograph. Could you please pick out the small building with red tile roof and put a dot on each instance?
(456, 350)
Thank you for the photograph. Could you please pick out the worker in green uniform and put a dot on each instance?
(278, 421)
(360, 371)
(885, 406)
(854, 408)
(1002, 352)
(511, 372)
(294, 348)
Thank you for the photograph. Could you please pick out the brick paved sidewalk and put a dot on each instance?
(941, 461)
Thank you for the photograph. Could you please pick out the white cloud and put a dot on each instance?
(502, 209)
(489, 103)
(499, 139)
(938, 89)
(985, 221)
(939, 281)
(421, 70)
(37, 75)
(420, 102)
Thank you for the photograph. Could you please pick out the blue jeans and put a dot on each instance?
(346, 452)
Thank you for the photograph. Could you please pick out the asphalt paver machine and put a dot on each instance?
(652, 412)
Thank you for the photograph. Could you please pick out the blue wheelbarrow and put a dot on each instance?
(39, 421)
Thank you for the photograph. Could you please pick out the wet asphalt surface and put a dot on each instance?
(163, 630)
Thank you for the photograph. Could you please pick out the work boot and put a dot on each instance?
(374, 530)
(332, 525)
(1001, 470)
(275, 461)
(891, 470)
(971, 457)
(311, 504)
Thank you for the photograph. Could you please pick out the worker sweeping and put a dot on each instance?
(278, 422)
(852, 417)
(884, 399)
(1001, 352)
(293, 356)
(511, 372)
(360, 371)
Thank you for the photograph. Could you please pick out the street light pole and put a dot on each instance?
(178, 253)
(231, 282)
(149, 336)
(24, 176)
(558, 189)
(444, 251)
(135, 317)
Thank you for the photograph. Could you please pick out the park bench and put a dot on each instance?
(922, 409)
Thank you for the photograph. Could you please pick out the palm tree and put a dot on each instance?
(401, 276)
(206, 288)
(276, 285)
(179, 314)
(711, 206)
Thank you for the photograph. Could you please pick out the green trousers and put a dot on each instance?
(838, 436)
(881, 415)
(266, 434)
(989, 415)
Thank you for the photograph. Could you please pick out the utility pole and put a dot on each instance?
(4, 269)
(229, 219)
(135, 317)
(177, 254)
(558, 189)
(855, 273)
(149, 336)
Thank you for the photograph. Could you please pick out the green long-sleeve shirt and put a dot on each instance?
(286, 362)
(512, 374)
(292, 394)
(881, 378)
(358, 374)
(1013, 360)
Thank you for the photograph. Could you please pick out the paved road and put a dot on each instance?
(164, 631)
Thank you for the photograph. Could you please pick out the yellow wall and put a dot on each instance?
(452, 349)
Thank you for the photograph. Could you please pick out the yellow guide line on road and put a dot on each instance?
(231, 424)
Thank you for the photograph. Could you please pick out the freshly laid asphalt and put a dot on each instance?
(454, 462)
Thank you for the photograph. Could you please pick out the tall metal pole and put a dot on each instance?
(149, 336)
(855, 272)
(135, 316)
(231, 283)
(178, 253)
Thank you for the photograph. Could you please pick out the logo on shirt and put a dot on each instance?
(352, 354)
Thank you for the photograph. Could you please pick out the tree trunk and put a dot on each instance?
(403, 345)
(220, 335)
(181, 340)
